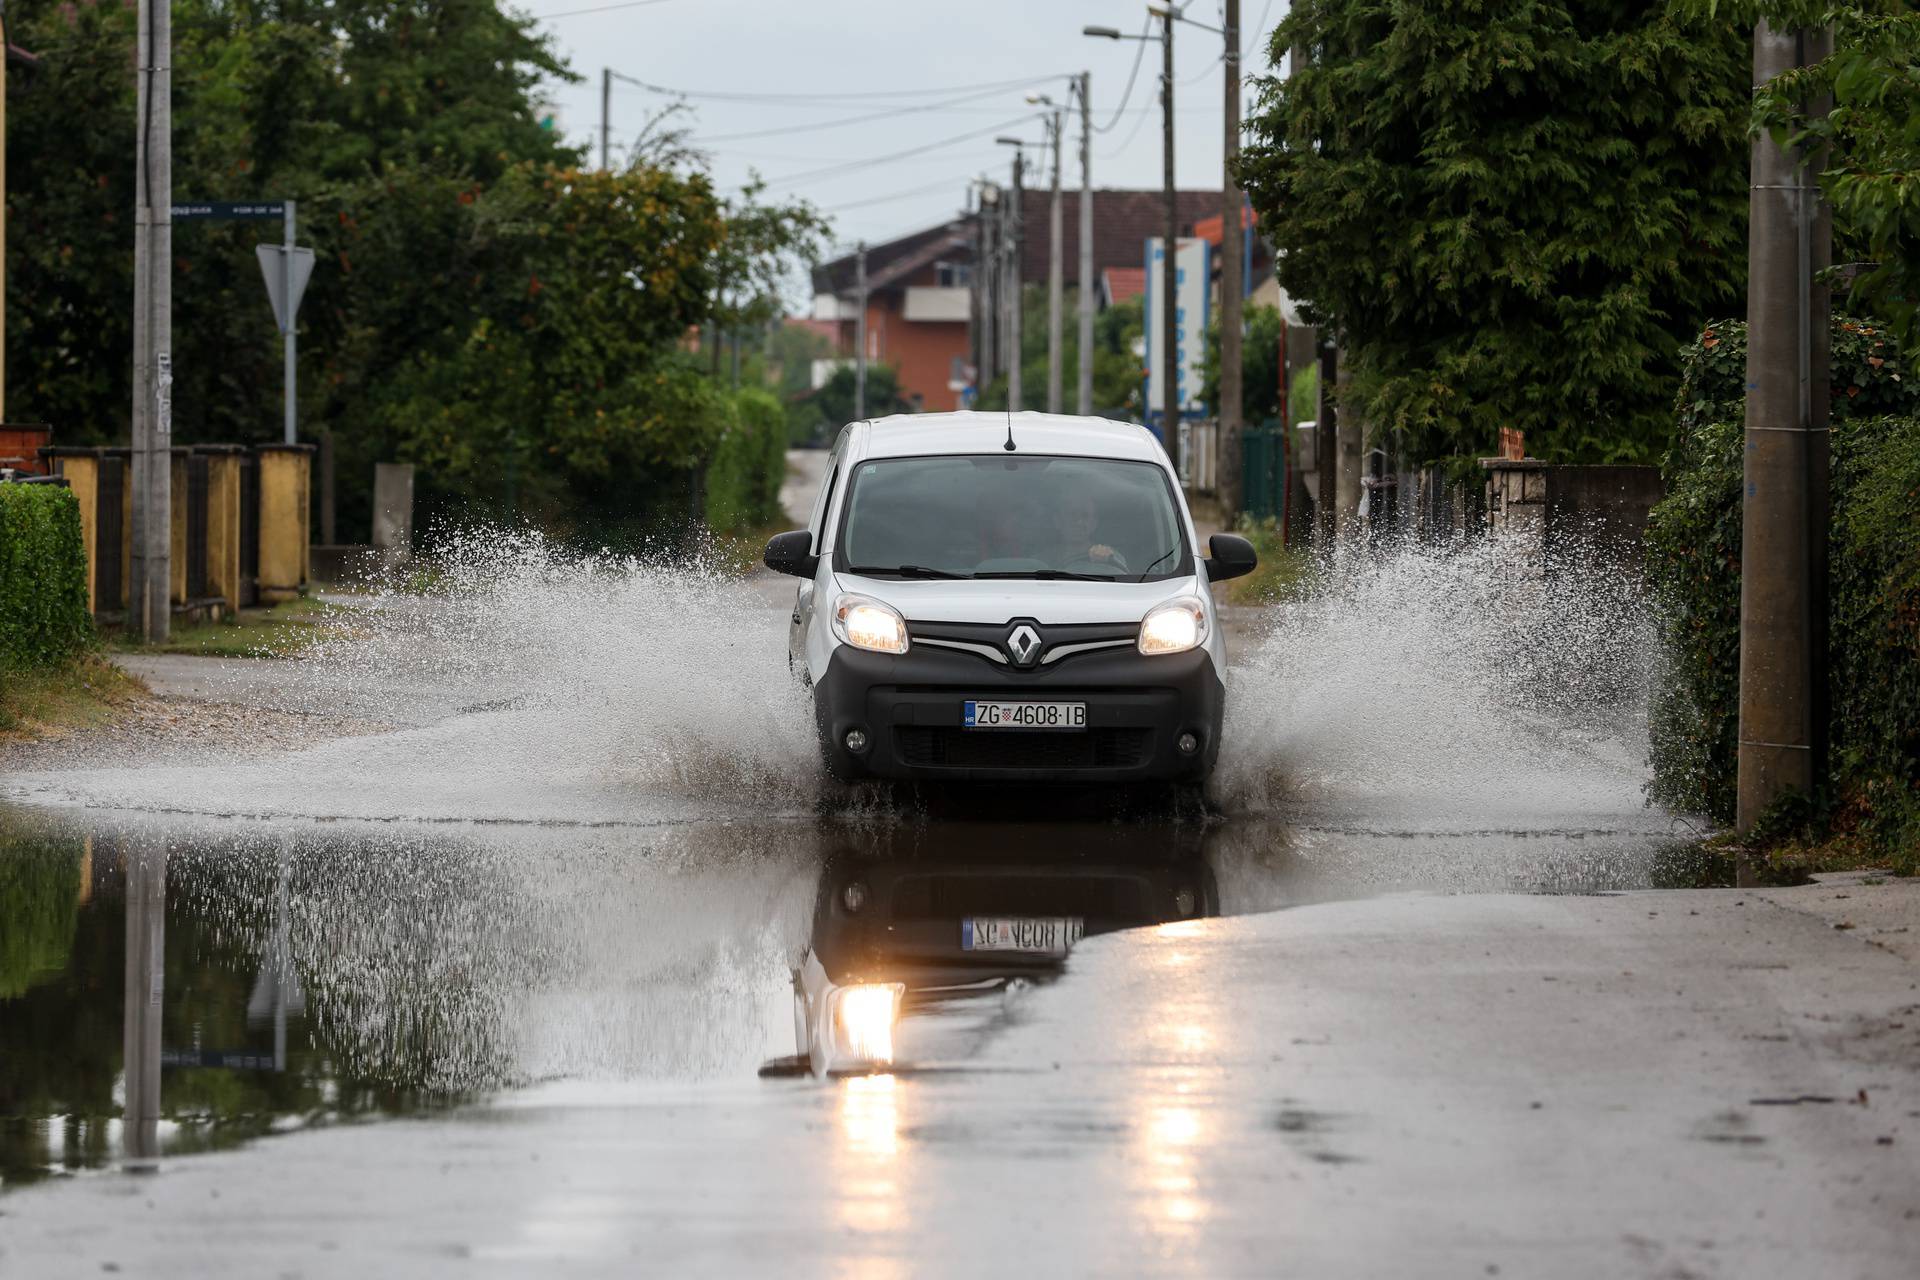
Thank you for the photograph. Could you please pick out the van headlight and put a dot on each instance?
(866, 623)
(1174, 627)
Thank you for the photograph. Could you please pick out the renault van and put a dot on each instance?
(1007, 597)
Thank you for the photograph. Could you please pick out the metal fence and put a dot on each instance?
(1264, 472)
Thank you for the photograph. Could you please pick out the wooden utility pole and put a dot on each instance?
(860, 332)
(1169, 269)
(1231, 283)
(1056, 283)
(149, 595)
(1016, 242)
(1086, 244)
(1784, 516)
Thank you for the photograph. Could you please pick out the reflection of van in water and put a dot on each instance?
(1013, 598)
(953, 912)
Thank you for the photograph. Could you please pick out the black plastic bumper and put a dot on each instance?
(910, 708)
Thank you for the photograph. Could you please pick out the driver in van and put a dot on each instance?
(1075, 522)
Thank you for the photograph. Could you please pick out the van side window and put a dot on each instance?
(820, 502)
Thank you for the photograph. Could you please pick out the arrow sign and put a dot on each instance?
(281, 283)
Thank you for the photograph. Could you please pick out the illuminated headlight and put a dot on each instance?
(1174, 627)
(863, 1018)
(866, 623)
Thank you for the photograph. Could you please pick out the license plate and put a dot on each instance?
(1046, 935)
(1024, 715)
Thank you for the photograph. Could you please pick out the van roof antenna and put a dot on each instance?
(1009, 446)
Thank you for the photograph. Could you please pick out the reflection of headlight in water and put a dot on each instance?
(863, 1018)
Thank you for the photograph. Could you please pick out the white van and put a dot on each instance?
(1002, 597)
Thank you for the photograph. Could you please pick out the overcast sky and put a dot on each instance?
(905, 55)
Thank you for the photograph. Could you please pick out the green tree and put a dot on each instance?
(1116, 370)
(1259, 365)
(1513, 214)
(1871, 137)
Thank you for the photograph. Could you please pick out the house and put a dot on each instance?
(936, 319)
(919, 303)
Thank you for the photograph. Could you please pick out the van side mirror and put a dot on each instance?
(1232, 557)
(792, 553)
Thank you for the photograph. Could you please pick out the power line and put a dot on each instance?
(605, 8)
(945, 184)
(1139, 52)
(834, 171)
(829, 99)
(845, 120)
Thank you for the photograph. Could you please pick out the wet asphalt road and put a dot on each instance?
(492, 994)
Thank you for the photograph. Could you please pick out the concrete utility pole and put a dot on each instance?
(1783, 555)
(146, 974)
(860, 332)
(1232, 282)
(1056, 281)
(1169, 271)
(986, 269)
(1086, 245)
(150, 589)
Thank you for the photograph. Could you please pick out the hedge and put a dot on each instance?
(1873, 786)
(748, 466)
(43, 577)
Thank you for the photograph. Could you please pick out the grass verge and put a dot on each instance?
(84, 693)
(278, 631)
(1282, 574)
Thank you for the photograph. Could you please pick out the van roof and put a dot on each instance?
(921, 434)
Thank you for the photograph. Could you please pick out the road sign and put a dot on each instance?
(1192, 267)
(286, 283)
(228, 210)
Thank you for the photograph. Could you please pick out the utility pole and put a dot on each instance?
(986, 269)
(149, 596)
(145, 976)
(860, 332)
(1169, 272)
(1326, 443)
(1086, 244)
(1784, 516)
(1231, 281)
(1015, 244)
(1056, 286)
(606, 114)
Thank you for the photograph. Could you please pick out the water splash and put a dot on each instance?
(1450, 689)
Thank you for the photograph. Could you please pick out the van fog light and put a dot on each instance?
(1187, 743)
(1183, 901)
(856, 740)
(854, 896)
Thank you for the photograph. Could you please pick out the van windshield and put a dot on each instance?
(995, 516)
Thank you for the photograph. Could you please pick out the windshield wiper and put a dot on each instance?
(1171, 552)
(1050, 575)
(905, 571)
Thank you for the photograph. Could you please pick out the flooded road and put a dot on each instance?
(317, 972)
(580, 962)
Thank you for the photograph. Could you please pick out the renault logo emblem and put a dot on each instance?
(1023, 643)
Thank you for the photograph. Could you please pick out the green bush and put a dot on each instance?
(39, 905)
(43, 577)
(749, 463)
(1694, 541)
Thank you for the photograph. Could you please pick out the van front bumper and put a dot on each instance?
(909, 707)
